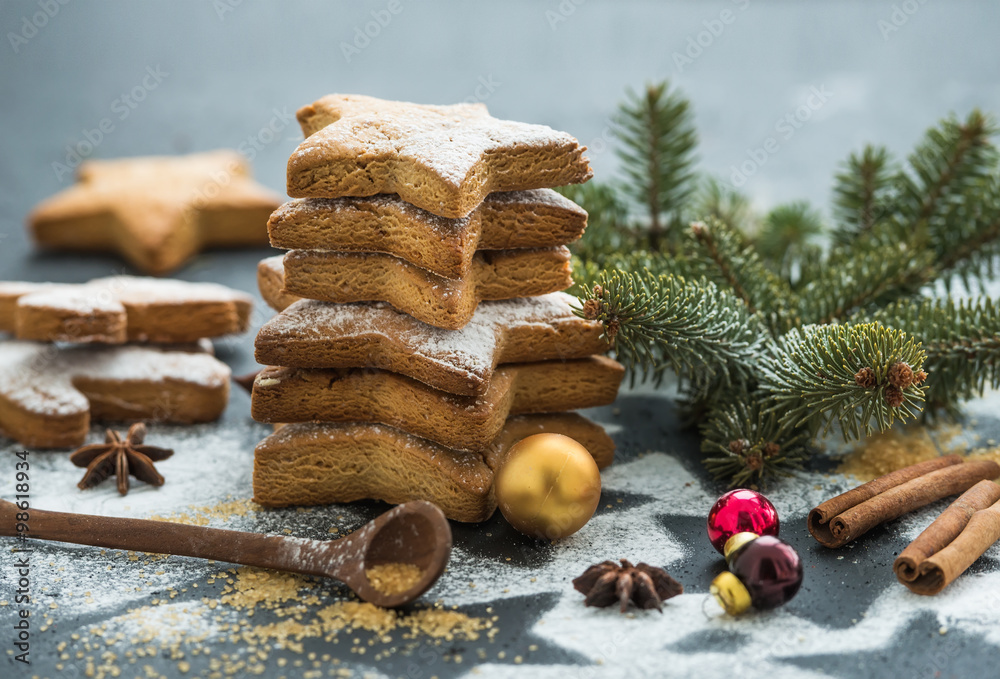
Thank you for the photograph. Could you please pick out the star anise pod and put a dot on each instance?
(120, 457)
(607, 582)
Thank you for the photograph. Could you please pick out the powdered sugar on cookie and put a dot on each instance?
(317, 331)
(444, 159)
(40, 378)
(49, 311)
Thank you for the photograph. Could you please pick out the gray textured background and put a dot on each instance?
(231, 67)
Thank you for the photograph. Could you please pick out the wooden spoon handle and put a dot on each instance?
(311, 557)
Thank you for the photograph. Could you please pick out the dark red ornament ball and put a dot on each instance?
(770, 570)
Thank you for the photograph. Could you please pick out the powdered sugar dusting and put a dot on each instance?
(274, 265)
(690, 638)
(39, 377)
(471, 349)
(546, 197)
(306, 210)
(114, 292)
(449, 140)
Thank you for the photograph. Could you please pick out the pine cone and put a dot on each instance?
(919, 377)
(865, 378)
(894, 396)
(598, 290)
(611, 330)
(771, 449)
(737, 446)
(754, 461)
(591, 309)
(900, 375)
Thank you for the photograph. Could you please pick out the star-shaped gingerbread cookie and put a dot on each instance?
(49, 394)
(444, 159)
(311, 334)
(157, 212)
(122, 309)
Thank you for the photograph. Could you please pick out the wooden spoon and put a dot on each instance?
(414, 533)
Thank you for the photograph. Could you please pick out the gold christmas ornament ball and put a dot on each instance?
(549, 487)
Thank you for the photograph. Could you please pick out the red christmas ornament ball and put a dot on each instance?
(741, 511)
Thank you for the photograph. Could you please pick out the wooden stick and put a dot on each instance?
(945, 529)
(852, 514)
(938, 571)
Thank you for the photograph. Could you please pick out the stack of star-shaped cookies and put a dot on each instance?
(422, 329)
(115, 349)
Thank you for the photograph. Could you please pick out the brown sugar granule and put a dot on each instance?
(394, 578)
(203, 516)
(444, 624)
(894, 449)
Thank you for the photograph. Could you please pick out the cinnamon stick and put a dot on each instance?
(945, 529)
(841, 519)
(819, 518)
(938, 571)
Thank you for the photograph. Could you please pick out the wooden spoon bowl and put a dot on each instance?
(412, 533)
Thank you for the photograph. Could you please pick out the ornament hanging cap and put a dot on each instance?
(735, 542)
(731, 594)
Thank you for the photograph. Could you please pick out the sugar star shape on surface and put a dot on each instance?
(157, 212)
(444, 159)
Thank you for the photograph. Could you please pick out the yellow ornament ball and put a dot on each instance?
(549, 486)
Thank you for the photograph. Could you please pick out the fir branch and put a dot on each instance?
(704, 334)
(715, 198)
(870, 273)
(658, 140)
(945, 201)
(787, 233)
(962, 342)
(848, 374)
(588, 272)
(948, 163)
(969, 245)
(863, 193)
(705, 312)
(747, 446)
(812, 261)
(950, 195)
(719, 253)
(608, 232)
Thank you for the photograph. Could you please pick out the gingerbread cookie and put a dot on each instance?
(311, 334)
(444, 159)
(460, 422)
(356, 277)
(122, 309)
(49, 394)
(271, 282)
(157, 212)
(315, 464)
(385, 223)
